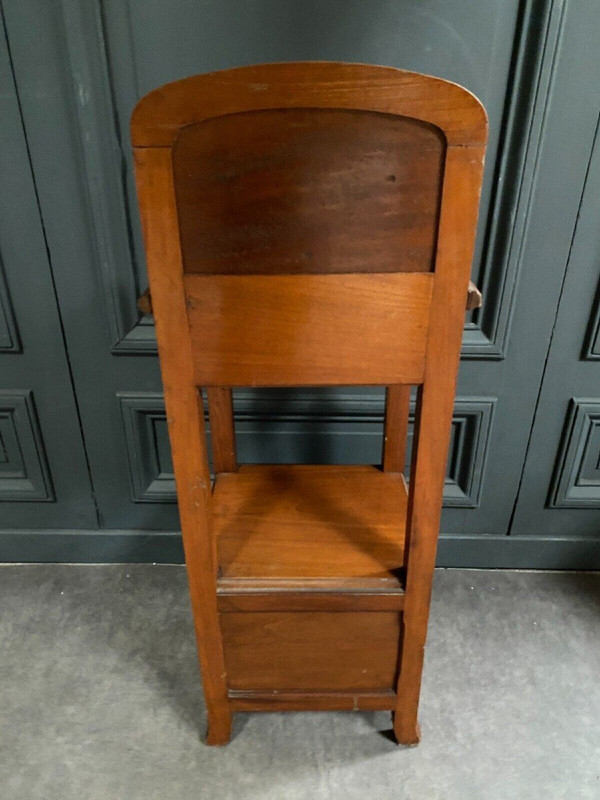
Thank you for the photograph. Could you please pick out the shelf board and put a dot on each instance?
(331, 528)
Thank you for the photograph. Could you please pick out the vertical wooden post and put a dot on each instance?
(462, 181)
(222, 430)
(185, 418)
(395, 427)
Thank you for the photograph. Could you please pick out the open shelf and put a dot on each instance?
(332, 528)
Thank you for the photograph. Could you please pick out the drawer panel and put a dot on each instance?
(311, 650)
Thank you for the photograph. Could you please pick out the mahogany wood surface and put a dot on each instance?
(312, 650)
(291, 330)
(311, 594)
(159, 117)
(303, 521)
(222, 430)
(395, 427)
(312, 701)
(277, 598)
(275, 258)
(297, 191)
(435, 402)
(185, 417)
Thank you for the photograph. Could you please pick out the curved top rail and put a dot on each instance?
(162, 113)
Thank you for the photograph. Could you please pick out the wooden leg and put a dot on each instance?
(185, 419)
(406, 725)
(219, 727)
(409, 735)
(423, 515)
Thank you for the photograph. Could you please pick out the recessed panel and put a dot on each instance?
(308, 191)
(311, 651)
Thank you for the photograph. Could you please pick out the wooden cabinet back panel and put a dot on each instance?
(290, 191)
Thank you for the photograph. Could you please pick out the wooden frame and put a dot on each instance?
(156, 123)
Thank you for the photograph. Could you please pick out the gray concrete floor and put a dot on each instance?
(100, 698)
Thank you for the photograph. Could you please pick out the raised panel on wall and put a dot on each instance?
(303, 428)
(9, 337)
(577, 480)
(147, 438)
(559, 496)
(109, 52)
(44, 480)
(24, 474)
(591, 350)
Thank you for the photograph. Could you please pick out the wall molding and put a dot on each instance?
(591, 351)
(576, 482)
(105, 161)
(304, 426)
(9, 335)
(24, 472)
(151, 480)
(540, 28)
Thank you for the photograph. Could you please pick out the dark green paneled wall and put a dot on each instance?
(85, 471)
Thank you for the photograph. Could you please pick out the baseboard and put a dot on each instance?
(164, 547)
(519, 552)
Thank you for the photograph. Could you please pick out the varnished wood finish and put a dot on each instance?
(160, 116)
(311, 650)
(463, 176)
(395, 427)
(312, 701)
(185, 417)
(222, 430)
(301, 521)
(310, 601)
(290, 330)
(474, 297)
(297, 191)
(144, 302)
(310, 594)
(310, 586)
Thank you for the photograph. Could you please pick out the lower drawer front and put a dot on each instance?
(311, 651)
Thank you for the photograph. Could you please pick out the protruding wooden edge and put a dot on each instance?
(163, 112)
(311, 701)
(474, 297)
(316, 594)
(144, 303)
(474, 300)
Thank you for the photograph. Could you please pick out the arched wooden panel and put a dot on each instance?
(308, 191)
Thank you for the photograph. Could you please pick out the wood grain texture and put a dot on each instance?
(311, 651)
(185, 418)
(290, 330)
(395, 427)
(301, 191)
(310, 594)
(160, 115)
(435, 402)
(222, 429)
(300, 521)
(312, 701)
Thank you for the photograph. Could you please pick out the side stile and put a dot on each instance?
(185, 418)
(222, 429)
(395, 428)
(460, 202)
